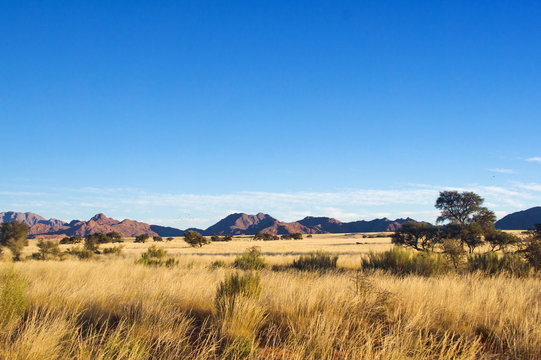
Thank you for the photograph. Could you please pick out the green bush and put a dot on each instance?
(265, 236)
(221, 237)
(315, 261)
(156, 256)
(250, 260)
(13, 235)
(13, 300)
(115, 250)
(157, 238)
(490, 263)
(169, 238)
(399, 261)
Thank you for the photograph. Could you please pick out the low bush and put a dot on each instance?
(250, 260)
(221, 237)
(141, 238)
(315, 261)
(169, 238)
(156, 256)
(115, 250)
(265, 236)
(157, 238)
(399, 261)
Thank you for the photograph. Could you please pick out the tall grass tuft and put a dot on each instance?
(399, 261)
(13, 300)
(250, 260)
(239, 315)
(315, 261)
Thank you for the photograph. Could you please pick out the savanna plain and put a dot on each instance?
(203, 305)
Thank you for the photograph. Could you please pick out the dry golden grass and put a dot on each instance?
(111, 308)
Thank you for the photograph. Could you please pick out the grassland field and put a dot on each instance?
(109, 307)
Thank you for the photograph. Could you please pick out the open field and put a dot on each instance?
(109, 307)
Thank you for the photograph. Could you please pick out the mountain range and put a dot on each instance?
(236, 224)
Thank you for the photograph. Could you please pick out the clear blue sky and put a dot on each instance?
(179, 112)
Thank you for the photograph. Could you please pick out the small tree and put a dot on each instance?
(500, 240)
(91, 244)
(14, 236)
(157, 238)
(48, 249)
(141, 238)
(195, 239)
(99, 238)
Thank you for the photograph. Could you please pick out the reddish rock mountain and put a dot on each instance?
(241, 223)
(39, 226)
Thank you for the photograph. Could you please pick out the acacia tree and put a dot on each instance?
(14, 236)
(468, 220)
(195, 239)
(418, 235)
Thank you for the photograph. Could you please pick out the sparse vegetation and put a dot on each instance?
(157, 238)
(114, 250)
(71, 240)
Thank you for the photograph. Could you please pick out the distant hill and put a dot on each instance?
(166, 230)
(520, 220)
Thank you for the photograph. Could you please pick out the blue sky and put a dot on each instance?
(178, 113)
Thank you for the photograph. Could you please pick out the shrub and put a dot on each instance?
(157, 238)
(195, 239)
(296, 236)
(398, 261)
(71, 240)
(141, 238)
(48, 249)
(114, 236)
(13, 300)
(315, 261)
(250, 260)
(156, 256)
(115, 250)
(169, 238)
(285, 237)
(490, 264)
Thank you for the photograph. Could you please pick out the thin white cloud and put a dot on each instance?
(536, 159)
(529, 186)
(502, 171)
